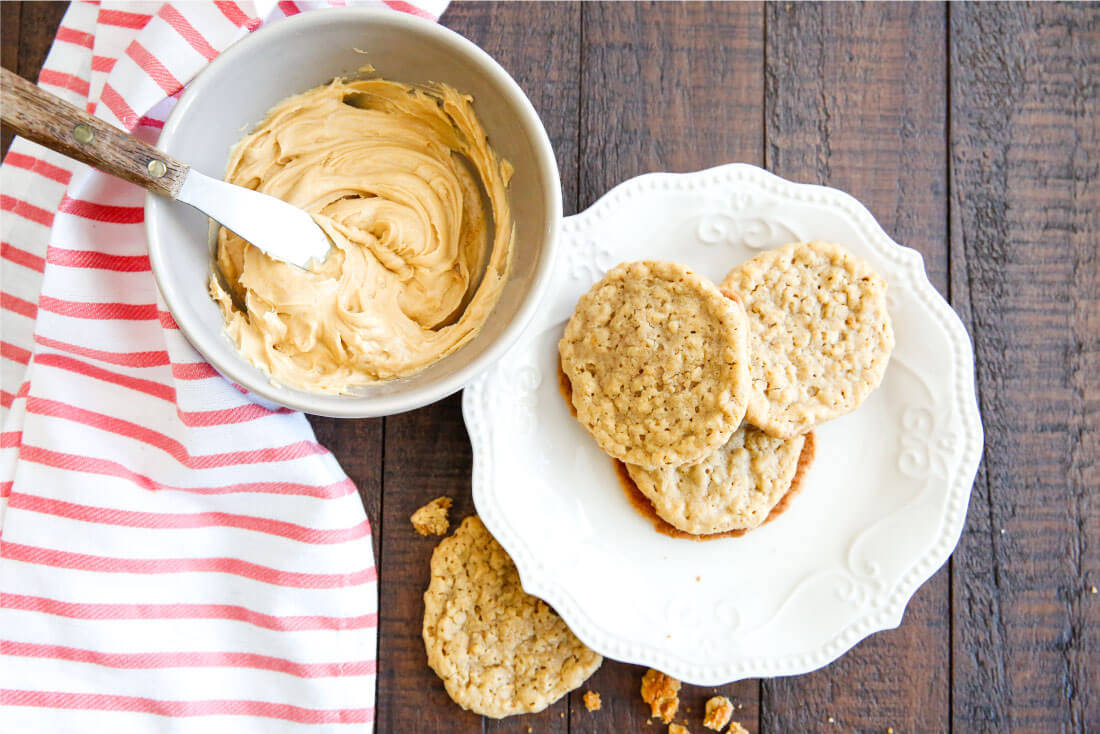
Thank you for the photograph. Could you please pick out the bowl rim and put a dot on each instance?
(243, 373)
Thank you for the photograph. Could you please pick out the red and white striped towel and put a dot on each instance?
(172, 556)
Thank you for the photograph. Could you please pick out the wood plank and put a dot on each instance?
(427, 451)
(539, 45)
(546, 64)
(665, 87)
(357, 445)
(38, 22)
(427, 455)
(1025, 211)
(28, 31)
(845, 108)
(668, 87)
(9, 54)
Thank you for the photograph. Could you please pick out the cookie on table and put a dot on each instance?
(498, 650)
(733, 488)
(658, 361)
(821, 334)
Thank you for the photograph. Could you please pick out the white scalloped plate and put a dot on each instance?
(883, 504)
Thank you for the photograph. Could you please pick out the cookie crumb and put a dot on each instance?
(661, 693)
(718, 714)
(431, 519)
(678, 729)
(831, 720)
(889, 730)
(698, 578)
(592, 701)
(1092, 590)
(736, 728)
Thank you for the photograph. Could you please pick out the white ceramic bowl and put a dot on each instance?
(235, 92)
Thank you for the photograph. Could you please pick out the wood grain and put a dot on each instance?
(28, 32)
(427, 455)
(842, 110)
(45, 118)
(38, 22)
(665, 87)
(427, 451)
(1025, 273)
(546, 64)
(9, 54)
(357, 445)
(668, 87)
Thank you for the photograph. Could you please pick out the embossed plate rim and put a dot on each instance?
(887, 612)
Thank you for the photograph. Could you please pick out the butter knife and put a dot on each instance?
(281, 230)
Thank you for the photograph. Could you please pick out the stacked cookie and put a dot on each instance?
(707, 394)
(821, 334)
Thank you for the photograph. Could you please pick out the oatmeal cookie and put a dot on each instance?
(821, 334)
(658, 361)
(498, 650)
(734, 488)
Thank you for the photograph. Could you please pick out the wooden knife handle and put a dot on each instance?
(37, 115)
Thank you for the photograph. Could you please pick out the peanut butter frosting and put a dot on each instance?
(398, 177)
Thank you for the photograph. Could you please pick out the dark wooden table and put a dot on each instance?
(972, 132)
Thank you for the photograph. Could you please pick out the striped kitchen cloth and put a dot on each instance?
(173, 557)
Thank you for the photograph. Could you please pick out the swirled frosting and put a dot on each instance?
(397, 176)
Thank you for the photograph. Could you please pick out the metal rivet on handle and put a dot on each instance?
(83, 134)
(157, 169)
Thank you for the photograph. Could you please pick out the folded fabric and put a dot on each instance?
(173, 557)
